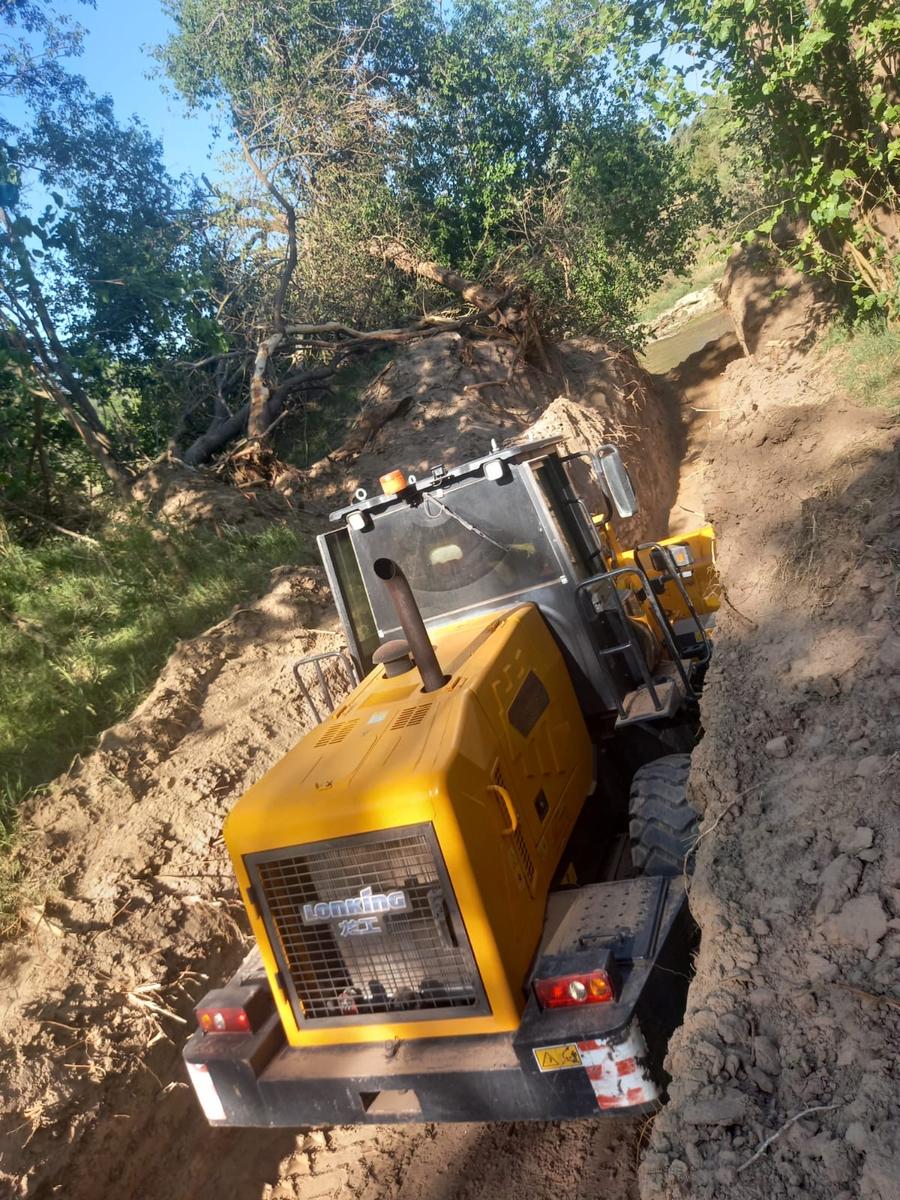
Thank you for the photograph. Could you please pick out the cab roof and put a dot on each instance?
(439, 477)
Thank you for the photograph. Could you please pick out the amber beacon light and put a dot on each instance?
(393, 482)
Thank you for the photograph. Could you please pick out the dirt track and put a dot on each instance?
(142, 899)
(793, 1023)
(138, 906)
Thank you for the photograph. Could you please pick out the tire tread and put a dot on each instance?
(663, 824)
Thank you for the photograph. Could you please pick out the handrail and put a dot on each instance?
(675, 575)
(316, 660)
(631, 644)
(511, 809)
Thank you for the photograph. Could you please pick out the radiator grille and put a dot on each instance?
(367, 925)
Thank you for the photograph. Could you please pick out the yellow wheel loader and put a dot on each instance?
(450, 921)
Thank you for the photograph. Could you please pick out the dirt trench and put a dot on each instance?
(798, 866)
(136, 912)
(787, 1068)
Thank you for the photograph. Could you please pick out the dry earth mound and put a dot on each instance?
(775, 310)
(139, 903)
(446, 397)
(194, 496)
(786, 1070)
(140, 910)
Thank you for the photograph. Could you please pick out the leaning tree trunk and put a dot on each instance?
(63, 385)
(513, 316)
(399, 256)
(260, 416)
(220, 433)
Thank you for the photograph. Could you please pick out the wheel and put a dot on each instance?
(663, 824)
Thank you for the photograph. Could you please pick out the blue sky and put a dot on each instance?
(117, 60)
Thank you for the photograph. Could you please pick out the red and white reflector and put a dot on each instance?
(617, 1069)
(568, 991)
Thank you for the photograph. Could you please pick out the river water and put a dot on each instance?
(668, 352)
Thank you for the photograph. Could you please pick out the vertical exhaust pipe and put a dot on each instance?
(411, 623)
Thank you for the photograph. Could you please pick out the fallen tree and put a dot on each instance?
(331, 344)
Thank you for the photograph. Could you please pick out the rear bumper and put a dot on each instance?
(596, 1060)
(445, 1079)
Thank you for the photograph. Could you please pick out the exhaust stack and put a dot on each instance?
(411, 623)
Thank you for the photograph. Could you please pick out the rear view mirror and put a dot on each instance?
(614, 476)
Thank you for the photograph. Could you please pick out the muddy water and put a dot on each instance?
(668, 352)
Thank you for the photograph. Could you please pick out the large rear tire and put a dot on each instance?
(663, 824)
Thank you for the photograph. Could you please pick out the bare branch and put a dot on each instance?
(391, 251)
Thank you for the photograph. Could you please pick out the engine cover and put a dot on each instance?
(395, 863)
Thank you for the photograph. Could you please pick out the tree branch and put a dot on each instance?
(396, 254)
(67, 392)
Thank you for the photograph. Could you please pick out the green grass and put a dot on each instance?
(84, 632)
(869, 365)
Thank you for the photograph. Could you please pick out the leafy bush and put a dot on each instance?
(812, 91)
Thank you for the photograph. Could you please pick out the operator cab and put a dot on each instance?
(491, 534)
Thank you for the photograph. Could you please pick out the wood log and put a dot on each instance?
(399, 256)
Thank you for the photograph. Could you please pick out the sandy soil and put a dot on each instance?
(135, 908)
(793, 1023)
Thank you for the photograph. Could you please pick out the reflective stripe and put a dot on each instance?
(617, 1069)
(206, 1091)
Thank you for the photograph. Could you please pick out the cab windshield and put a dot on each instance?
(477, 544)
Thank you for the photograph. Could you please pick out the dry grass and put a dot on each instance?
(868, 363)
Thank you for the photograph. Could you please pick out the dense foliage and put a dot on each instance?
(525, 144)
(814, 91)
(499, 139)
(99, 271)
(493, 137)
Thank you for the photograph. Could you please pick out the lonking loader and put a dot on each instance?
(450, 922)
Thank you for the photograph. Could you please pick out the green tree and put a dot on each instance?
(814, 89)
(535, 159)
(97, 262)
(493, 137)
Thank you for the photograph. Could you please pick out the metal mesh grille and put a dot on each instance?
(365, 927)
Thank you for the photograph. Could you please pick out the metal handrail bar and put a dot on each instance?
(662, 619)
(675, 575)
(316, 661)
(630, 645)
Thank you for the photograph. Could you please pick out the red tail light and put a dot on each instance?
(223, 1020)
(234, 1009)
(567, 991)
